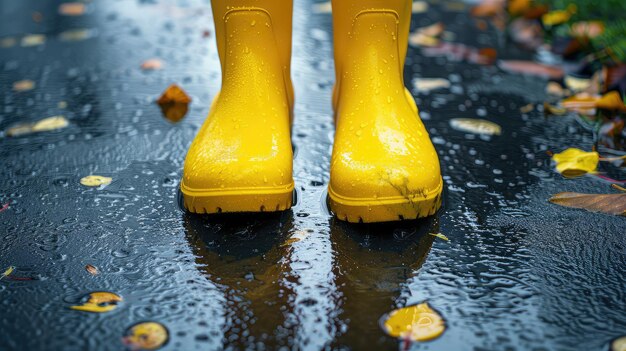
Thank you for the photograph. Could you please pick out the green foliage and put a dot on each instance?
(610, 46)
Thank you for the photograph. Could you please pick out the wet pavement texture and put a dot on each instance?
(517, 274)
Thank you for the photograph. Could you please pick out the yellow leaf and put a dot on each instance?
(7, 272)
(611, 101)
(95, 180)
(43, 125)
(98, 302)
(77, 34)
(72, 9)
(440, 236)
(146, 336)
(575, 162)
(614, 204)
(50, 123)
(428, 84)
(417, 323)
(557, 17)
(477, 126)
(577, 84)
(618, 344)
(33, 40)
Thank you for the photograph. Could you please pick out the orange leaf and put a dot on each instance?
(174, 103)
(152, 64)
(72, 9)
(611, 101)
(488, 8)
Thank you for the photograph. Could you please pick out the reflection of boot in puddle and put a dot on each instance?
(373, 263)
(242, 254)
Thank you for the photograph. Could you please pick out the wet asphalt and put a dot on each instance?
(517, 274)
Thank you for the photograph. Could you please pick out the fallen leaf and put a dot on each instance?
(609, 101)
(415, 323)
(428, 84)
(33, 40)
(587, 29)
(4, 207)
(23, 85)
(419, 7)
(95, 180)
(526, 32)
(43, 125)
(556, 17)
(72, 9)
(440, 236)
(577, 84)
(99, 302)
(7, 272)
(551, 110)
(618, 344)
(555, 89)
(488, 8)
(427, 36)
(460, 52)
(532, 68)
(614, 204)
(527, 108)
(77, 34)
(146, 336)
(152, 64)
(434, 30)
(323, 7)
(174, 103)
(50, 123)
(91, 269)
(575, 162)
(476, 126)
(518, 7)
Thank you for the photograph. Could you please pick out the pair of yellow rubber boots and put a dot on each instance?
(384, 166)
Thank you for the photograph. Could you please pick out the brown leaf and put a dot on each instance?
(174, 103)
(610, 101)
(72, 9)
(91, 269)
(614, 204)
(532, 68)
(488, 8)
(518, 7)
(460, 52)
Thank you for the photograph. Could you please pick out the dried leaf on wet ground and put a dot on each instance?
(461, 52)
(43, 125)
(532, 68)
(476, 126)
(77, 34)
(416, 323)
(427, 36)
(7, 272)
(575, 162)
(91, 269)
(23, 85)
(33, 40)
(174, 103)
(428, 84)
(146, 336)
(152, 64)
(95, 180)
(614, 204)
(99, 302)
(440, 236)
(618, 344)
(72, 9)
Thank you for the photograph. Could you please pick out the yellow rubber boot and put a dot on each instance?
(241, 159)
(384, 166)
